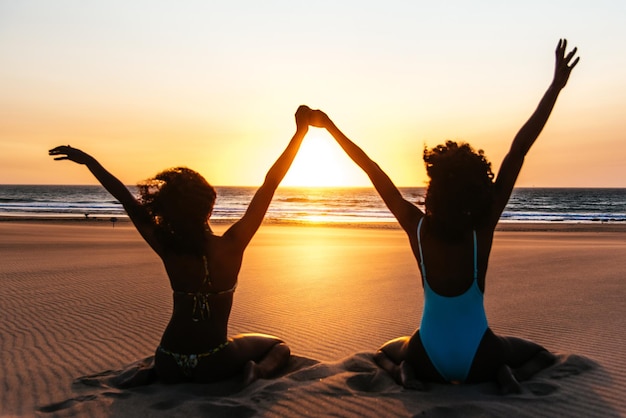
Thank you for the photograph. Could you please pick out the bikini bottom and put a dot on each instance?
(188, 362)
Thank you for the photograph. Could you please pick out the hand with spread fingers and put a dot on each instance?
(563, 68)
(66, 152)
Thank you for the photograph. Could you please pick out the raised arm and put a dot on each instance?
(114, 186)
(405, 212)
(244, 229)
(525, 138)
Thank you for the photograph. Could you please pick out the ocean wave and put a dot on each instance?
(333, 205)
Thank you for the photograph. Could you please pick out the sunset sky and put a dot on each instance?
(146, 85)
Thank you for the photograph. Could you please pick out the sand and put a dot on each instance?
(83, 305)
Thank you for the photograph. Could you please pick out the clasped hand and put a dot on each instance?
(311, 117)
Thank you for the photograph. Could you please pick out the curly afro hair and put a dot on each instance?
(460, 190)
(179, 200)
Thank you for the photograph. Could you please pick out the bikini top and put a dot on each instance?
(201, 307)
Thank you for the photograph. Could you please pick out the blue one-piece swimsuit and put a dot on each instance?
(452, 327)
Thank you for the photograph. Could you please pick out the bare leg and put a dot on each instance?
(388, 365)
(507, 381)
(542, 360)
(391, 358)
(261, 355)
(510, 359)
(409, 379)
(525, 357)
(274, 360)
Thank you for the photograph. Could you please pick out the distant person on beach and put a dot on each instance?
(172, 215)
(451, 243)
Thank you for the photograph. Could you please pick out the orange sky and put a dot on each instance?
(147, 85)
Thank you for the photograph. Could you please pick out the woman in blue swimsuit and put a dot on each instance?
(172, 215)
(451, 243)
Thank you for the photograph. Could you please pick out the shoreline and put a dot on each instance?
(506, 226)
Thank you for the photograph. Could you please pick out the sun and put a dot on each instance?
(322, 163)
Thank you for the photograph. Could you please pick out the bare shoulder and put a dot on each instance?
(227, 246)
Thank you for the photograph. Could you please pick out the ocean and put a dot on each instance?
(320, 205)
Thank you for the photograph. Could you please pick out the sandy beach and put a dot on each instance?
(84, 303)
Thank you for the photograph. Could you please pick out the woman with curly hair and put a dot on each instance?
(451, 242)
(172, 215)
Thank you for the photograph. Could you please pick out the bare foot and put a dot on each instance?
(508, 382)
(540, 361)
(250, 373)
(408, 378)
(388, 365)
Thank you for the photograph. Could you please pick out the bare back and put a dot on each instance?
(189, 330)
(450, 265)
